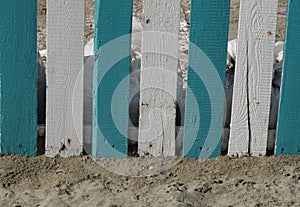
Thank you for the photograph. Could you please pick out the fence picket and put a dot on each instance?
(288, 130)
(18, 77)
(111, 77)
(253, 77)
(206, 75)
(160, 49)
(65, 38)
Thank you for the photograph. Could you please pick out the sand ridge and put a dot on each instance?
(79, 181)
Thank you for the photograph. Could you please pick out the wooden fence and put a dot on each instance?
(203, 125)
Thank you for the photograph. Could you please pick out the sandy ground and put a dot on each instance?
(225, 181)
(82, 181)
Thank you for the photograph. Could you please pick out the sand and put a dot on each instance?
(224, 181)
(83, 181)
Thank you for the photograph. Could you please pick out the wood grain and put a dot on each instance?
(18, 116)
(113, 24)
(270, 142)
(65, 37)
(160, 46)
(206, 76)
(253, 77)
(288, 130)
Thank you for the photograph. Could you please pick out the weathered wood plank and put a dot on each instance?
(288, 141)
(206, 75)
(270, 142)
(113, 22)
(253, 77)
(160, 47)
(65, 36)
(18, 77)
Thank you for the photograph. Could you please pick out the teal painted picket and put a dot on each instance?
(288, 130)
(206, 75)
(112, 66)
(18, 77)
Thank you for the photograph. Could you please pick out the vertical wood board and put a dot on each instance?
(65, 39)
(253, 77)
(206, 75)
(113, 20)
(288, 129)
(160, 47)
(18, 116)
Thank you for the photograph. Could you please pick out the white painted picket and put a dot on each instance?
(253, 77)
(65, 39)
(160, 48)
